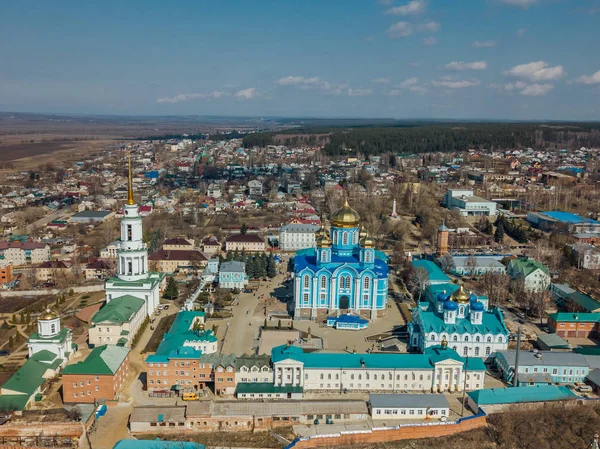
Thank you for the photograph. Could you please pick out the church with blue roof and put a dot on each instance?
(344, 274)
(464, 321)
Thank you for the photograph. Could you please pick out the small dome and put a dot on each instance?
(48, 315)
(322, 238)
(443, 296)
(473, 297)
(363, 233)
(346, 217)
(450, 305)
(461, 295)
(367, 241)
(477, 307)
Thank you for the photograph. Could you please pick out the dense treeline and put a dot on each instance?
(411, 138)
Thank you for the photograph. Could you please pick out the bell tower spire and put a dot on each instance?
(130, 200)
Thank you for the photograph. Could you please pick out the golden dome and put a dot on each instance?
(363, 233)
(346, 217)
(322, 238)
(48, 315)
(367, 241)
(461, 295)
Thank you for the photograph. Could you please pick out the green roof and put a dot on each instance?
(553, 341)
(571, 317)
(526, 266)
(265, 387)
(61, 336)
(104, 359)
(28, 379)
(514, 395)
(584, 301)
(119, 310)
(116, 282)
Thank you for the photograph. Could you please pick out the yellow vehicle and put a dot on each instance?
(190, 396)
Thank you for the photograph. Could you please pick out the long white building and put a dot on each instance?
(294, 237)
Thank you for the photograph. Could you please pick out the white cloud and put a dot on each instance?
(483, 44)
(429, 27)
(431, 40)
(521, 32)
(460, 65)
(536, 71)
(394, 92)
(303, 82)
(400, 29)
(519, 85)
(246, 94)
(381, 81)
(536, 90)
(411, 8)
(359, 92)
(456, 84)
(520, 3)
(408, 82)
(594, 78)
(192, 96)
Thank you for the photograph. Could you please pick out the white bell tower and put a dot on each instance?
(132, 256)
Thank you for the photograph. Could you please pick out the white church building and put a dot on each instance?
(133, 277)
(52, 338)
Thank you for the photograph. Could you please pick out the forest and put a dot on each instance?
(412, 138)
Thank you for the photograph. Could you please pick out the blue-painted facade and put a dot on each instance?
(342, 276)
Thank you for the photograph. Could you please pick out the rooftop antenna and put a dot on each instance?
(130, 200)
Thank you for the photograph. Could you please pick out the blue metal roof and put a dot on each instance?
(157, 444)
(308, 259)
(568, 217)
(347, 318)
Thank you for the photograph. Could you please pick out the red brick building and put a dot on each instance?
(575, 325)
(100, 376)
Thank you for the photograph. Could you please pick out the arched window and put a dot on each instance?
(323, 256)
(323, 282)
(374, 376)
(406, 377)
(368, 256)
(321, 376)
(478, 339)
(432, 337)
(337, 377)
(360, 377)
(351, 376)
(477, 351)
(345, 282)
(489, 339)
(366, 282)
(413, 376)
(465, 351)
(355, 237)
(306, 281)
(329, 377)
(421, 377)
(499, 339)
(466, 338)
(367, 376)
(455, 338)
(53, 328)
(488, 350)
(345, 238)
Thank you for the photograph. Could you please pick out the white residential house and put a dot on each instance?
(293, 237)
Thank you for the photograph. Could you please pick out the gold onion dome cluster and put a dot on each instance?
(48, 315)
(346, 217)
(322, 238)
(461, 296)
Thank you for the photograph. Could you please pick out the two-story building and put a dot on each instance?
(250, 243)
(117, 322)
(232, 274)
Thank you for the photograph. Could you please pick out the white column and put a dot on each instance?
(315, 294)
(356, 293)
(332, 292)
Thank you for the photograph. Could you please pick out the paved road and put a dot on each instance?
(112, 427)
(45, 220)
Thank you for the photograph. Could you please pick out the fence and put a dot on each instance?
(51, 291)
(392, 433)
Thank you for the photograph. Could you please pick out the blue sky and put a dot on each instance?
(507, 59)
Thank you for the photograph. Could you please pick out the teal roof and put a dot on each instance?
(435, 273)
(570, 317)
(584, 301)
(180, 333)
(157, 444)
(116, 282)
(265, 387)
(119, 310)
(102, 360)
(14, 401)
(491, 323)
(515, 395)
(342, 360)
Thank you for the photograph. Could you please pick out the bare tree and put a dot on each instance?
(471, 264)
(495, 287)
(447, 263)
(418, 281)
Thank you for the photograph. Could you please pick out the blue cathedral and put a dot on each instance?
(344, 277)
